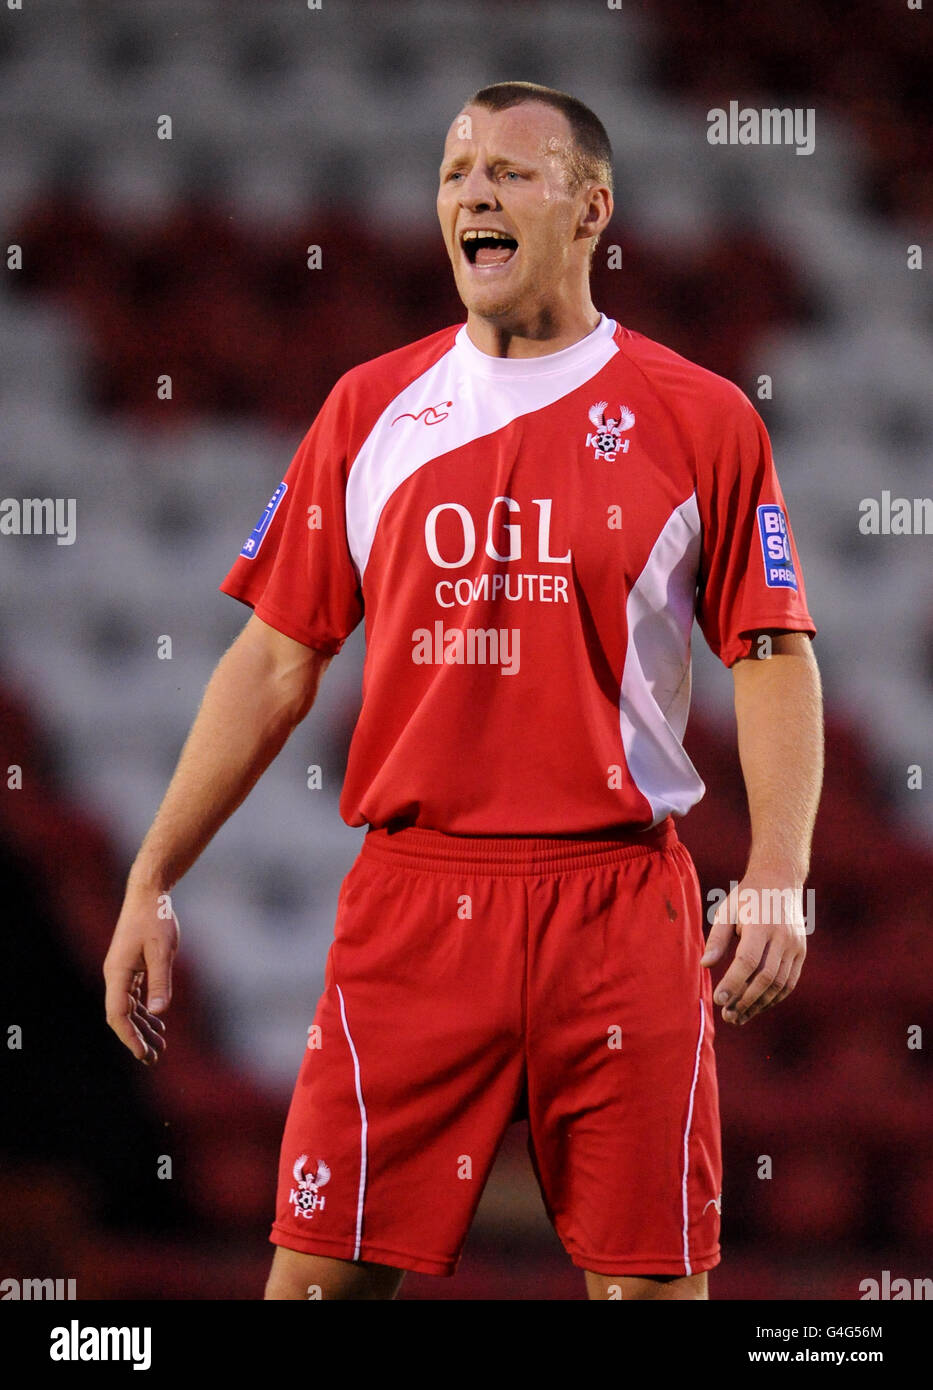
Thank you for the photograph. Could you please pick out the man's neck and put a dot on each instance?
(537, 337)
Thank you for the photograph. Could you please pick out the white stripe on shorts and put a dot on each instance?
(363, 1128)
(696, 1073)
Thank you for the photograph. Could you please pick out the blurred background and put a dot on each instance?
(187, 256)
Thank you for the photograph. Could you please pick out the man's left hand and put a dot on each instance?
(766, 914)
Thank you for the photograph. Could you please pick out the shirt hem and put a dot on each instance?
(743, 639)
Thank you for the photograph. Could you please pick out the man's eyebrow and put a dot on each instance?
(512, 159)
(456, 161)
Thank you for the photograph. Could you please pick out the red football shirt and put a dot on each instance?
(528, 541)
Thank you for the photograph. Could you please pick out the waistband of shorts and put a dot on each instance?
(413, 847)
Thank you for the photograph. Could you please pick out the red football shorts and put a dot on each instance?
(473, 981)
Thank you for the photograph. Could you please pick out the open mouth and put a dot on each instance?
(484, 247)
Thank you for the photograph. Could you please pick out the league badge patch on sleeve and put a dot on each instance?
(775, 547)
(255, 538)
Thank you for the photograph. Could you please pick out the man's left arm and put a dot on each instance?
(779, 716)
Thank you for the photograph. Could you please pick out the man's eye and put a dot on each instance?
(511, 174)
(454, 174)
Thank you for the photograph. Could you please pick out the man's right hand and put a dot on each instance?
(140, 957)
(262, 687)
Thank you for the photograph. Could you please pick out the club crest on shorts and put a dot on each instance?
(606, 440)
(306, 1196)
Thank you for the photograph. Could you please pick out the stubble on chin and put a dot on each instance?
(497, 311)
(487, 305)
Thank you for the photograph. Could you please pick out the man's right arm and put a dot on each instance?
(263, 686)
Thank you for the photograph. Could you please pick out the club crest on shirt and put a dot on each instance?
(606, 438)
(306, 1196)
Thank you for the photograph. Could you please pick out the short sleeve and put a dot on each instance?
(295, 569)
(750, 575)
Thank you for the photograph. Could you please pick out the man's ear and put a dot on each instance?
(597, 212)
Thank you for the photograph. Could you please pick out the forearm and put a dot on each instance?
(261, 688)
(779, 714)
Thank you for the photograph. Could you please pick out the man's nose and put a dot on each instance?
(478, 190)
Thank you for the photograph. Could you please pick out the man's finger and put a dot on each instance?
(153, 1020)
(119, 1008)
(148, 1023)
(151, 1036)
(750, 1006)
(717, 943)
(762, 982)
(158, 976)
(794, 976)
(745, 963)
(721, 932)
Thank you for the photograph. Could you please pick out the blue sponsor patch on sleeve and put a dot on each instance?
(775, 547)
(255, 538)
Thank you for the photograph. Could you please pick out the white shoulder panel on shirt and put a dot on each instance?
(465, 396)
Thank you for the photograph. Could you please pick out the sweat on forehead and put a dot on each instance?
(529, 134)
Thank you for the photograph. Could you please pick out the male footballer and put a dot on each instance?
(528, 511)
